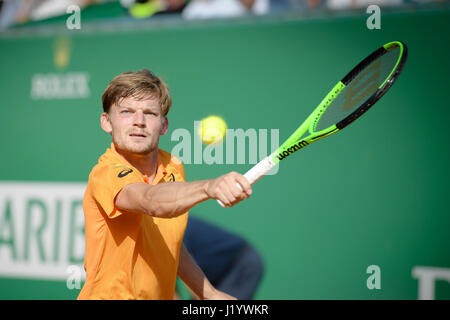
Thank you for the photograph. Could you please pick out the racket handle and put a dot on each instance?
(256, 172)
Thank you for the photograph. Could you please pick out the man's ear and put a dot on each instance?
(165, 126)
(105, 122)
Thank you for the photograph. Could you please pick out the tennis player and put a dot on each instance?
(136, 202)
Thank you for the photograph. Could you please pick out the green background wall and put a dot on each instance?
(375, 194)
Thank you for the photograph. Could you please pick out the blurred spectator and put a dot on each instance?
(279, 5)
(22, 11)
(352, 4)
(8, 13)
(306, 5)
(206, 9)
(141, 9)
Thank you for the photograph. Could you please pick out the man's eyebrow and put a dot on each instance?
(121, 105)
(145, 109)
(152, 109)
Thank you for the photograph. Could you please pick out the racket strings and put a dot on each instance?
(363, 86)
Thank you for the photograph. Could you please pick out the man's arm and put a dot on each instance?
(166, 200)
(191, 274)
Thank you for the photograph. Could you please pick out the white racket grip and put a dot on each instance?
(259, 170)
(256, 172)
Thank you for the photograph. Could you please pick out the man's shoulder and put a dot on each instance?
(168, 158)
(104, 168)
(107, 165)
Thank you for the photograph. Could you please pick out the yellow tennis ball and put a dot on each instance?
(212, 130)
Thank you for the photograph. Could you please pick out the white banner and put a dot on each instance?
(41, 229)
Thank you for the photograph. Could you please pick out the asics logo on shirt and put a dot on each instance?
(123, 173)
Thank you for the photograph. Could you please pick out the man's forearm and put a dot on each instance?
(167, 200)
(191, 274)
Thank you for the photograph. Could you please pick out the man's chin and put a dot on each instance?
(137, 149)
(141, 151)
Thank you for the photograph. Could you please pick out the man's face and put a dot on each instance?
(135, 125)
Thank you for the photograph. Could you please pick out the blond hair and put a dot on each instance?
(141, 84)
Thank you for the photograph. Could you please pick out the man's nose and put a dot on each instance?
(139, 119)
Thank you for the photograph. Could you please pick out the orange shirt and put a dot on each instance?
(129, 255)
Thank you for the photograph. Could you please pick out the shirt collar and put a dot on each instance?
(161, 169)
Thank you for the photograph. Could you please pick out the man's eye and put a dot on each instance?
(125, 111)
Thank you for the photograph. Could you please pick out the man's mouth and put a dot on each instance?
(138, 135)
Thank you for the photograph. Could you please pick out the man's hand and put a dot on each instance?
(219, 295)
(226, 188)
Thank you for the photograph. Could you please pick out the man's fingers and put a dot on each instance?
(244, 184)
(224, 202)
(230, 195)
(231, 189)
(236, 189)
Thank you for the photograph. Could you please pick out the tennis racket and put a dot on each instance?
(350, 98)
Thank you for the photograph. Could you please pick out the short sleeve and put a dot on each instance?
(106, 182)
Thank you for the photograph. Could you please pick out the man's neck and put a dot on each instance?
(146, 164)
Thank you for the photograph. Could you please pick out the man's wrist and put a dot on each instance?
(208, 291)
(206, 184)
